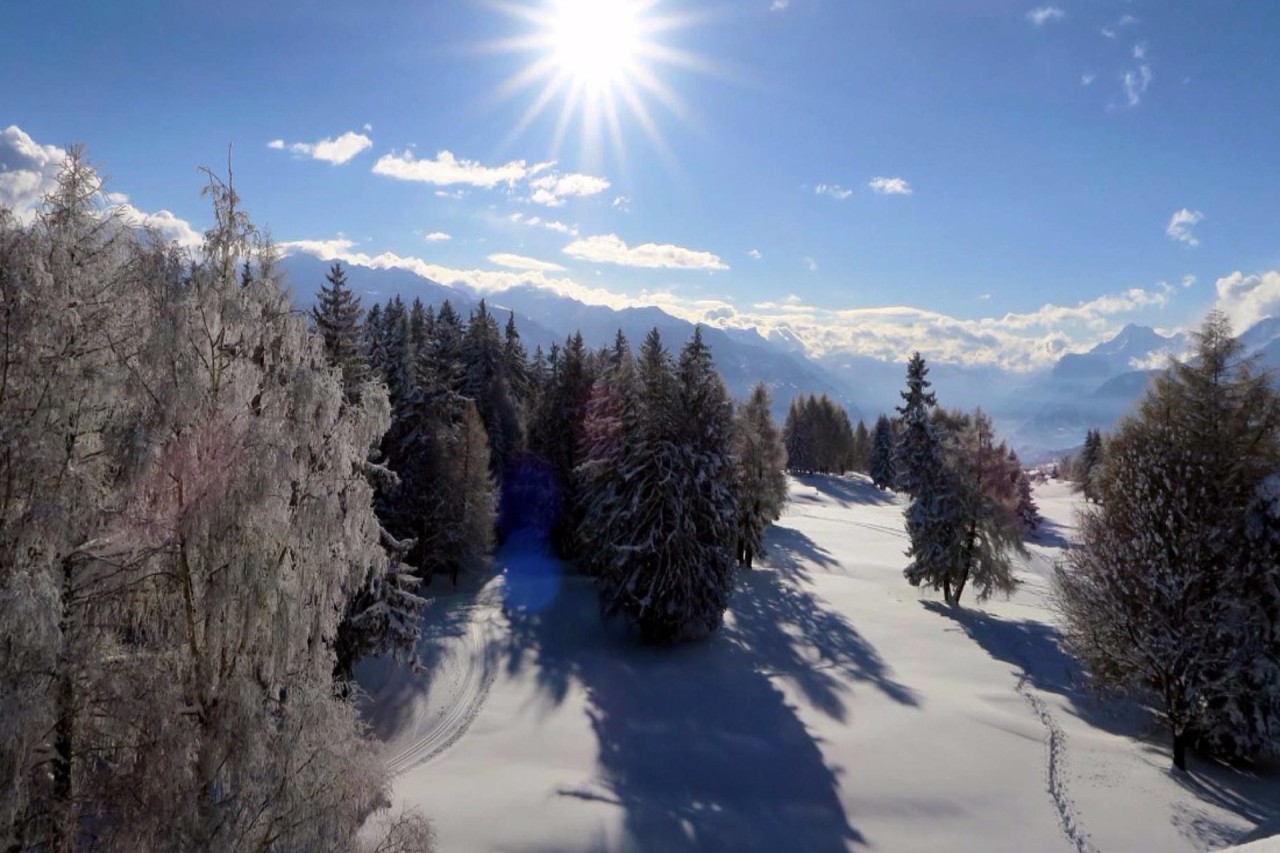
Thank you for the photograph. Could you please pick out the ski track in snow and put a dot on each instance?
(1056, 747)
(475, 681)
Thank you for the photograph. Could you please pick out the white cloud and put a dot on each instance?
(810, 264)
(551, 190)
(446, 170)
(754, 254)
(890, 186)
(561, 228)
(1045, 14)
(335, 151)
(28, 171)
(1246, 299)
(1140, 51)
(453, 194)
(438, 237)
(1135, 82)
(173, 229)
(1108, 33)
(623, 203)
(1087, 79)
(520, 262)
(609, 249)
(1126, 20)
(779, 5)
(1013, 341)
(1188, 281)
(834, 190)
(1179, 227)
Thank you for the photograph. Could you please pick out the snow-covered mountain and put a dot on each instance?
(743, 357)
(1043, 413)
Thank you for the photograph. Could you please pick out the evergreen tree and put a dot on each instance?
(1089, 464)
(917, 447)
(762, 481)
(337, 316)
(861, 449)
(1170, 593)
(883, 454)
(671, 547)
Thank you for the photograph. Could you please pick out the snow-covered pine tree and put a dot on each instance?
(671, 562)
(609, 424)
(337, 317)
(485, 383)
(762, 473)
(1028, 511)
(883, 454)
(915, 445)
(1161, 598)
(1089, 464)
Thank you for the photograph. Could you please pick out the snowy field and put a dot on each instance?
(839, 709)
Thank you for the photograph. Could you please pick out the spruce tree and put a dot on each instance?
(883, 454)
(337, 316)
(762, 481)
(915, 450)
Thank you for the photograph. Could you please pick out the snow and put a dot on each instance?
(837, 709)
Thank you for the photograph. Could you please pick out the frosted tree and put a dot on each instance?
(202, 518)
(762, 480)
(1165, 597)
(883, 454)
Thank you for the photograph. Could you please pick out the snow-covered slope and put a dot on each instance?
(838, 709)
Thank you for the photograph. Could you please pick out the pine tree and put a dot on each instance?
(1089, 464)
(1163, 597)
(671, 553)
(762, 481)
(915, 450)
(337, 317)
(883, 454)
(861, 461)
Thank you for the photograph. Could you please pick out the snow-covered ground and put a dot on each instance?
(838, 709)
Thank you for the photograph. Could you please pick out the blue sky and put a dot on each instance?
(1050, 171)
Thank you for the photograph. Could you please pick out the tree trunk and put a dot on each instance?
(1180, 740)
(748, 555)
(946, 591)
(64, 818)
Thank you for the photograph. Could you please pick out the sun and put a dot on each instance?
(595, 42)
(598, 61)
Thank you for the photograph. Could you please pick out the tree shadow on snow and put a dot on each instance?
(790, 551)
(847, 491)
(1051, 535)
(697, 744)
(1034, 649)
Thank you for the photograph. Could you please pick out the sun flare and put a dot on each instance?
(595, 42)
(598, 60)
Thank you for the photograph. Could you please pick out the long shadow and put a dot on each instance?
(1034, 648)
(1251, 792)
(1051, 535)
(789, 551)
(697, 745)
(847, 491)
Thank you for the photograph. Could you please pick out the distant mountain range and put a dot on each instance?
(1042, 413)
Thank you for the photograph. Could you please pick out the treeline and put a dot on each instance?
(1174, 592)
(640, 469)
